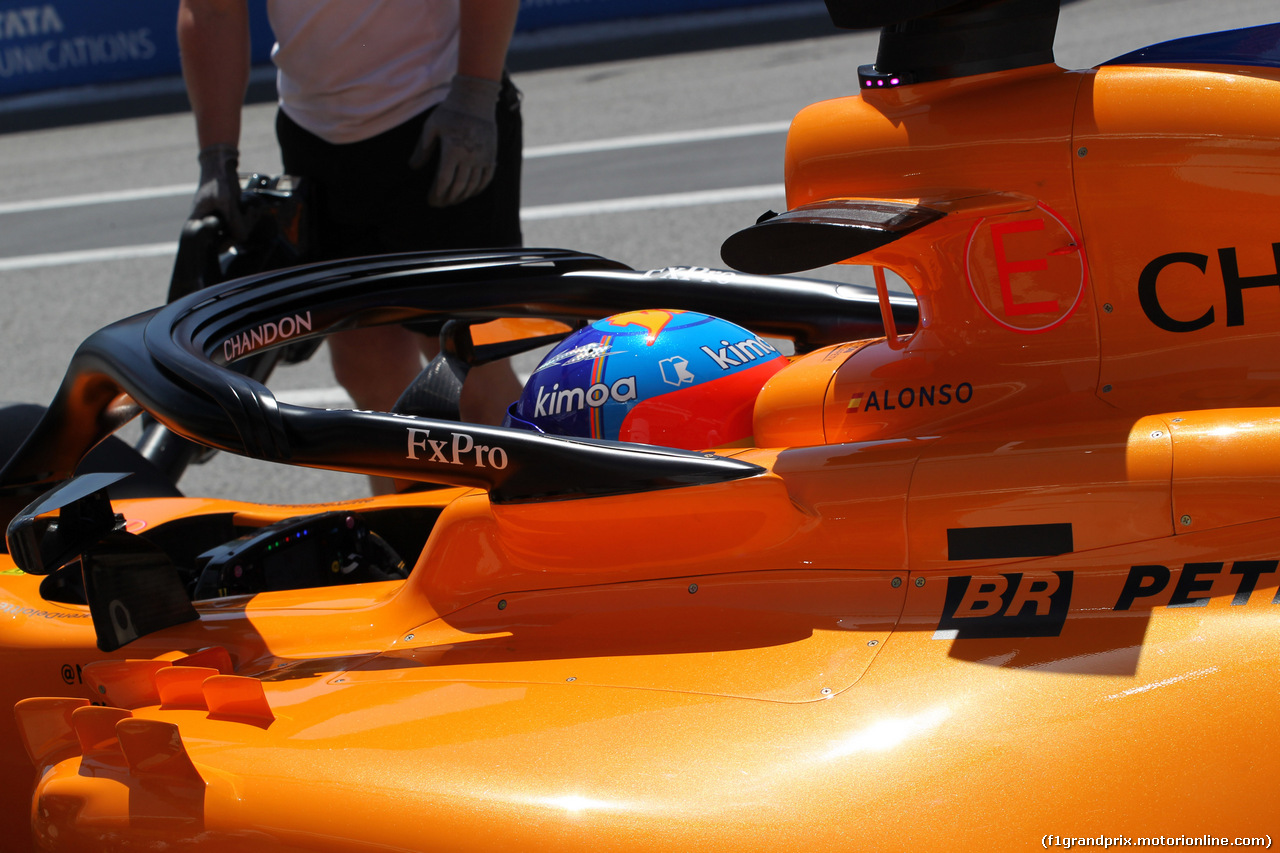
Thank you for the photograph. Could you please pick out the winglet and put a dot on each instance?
(840, 229)
(238, 698)
(154, 748)
(182, 687)
(124, 683)
(95, 728)
(44, 725)
(823, 233)
(215, 657)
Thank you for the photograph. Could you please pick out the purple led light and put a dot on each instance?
(893, 81)
(879, 82)
(868, 84)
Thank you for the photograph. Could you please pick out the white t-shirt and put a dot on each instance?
(351, 69)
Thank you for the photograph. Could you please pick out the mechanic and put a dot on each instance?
(402, 118)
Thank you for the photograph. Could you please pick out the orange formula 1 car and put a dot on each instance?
(1005, 578)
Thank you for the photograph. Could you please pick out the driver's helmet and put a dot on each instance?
(673, 378)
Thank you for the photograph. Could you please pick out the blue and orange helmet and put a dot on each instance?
(673, 378)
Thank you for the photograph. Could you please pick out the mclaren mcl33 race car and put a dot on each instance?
(994, 569)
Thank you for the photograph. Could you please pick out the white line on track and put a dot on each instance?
(88, 256)
(547, 211)
(653, 202)
(678, 137)
(559, 150)
(96, 198)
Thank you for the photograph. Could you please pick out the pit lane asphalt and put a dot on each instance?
(50, 308)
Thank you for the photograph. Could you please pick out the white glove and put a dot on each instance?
(464, 129)
(219, 190)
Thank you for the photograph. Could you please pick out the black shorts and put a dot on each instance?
(366, 200)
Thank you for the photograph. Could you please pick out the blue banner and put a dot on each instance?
(68, 43)
(80, 42)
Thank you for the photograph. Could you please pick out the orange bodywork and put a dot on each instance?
(1014, 576)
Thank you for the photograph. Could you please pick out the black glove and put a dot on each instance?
(219, 190)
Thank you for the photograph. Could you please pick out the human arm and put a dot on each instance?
(484, 36)
(463, 126)
(213, 37)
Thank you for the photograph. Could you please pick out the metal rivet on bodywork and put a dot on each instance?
(1106, 389)
(895, 583)
(1082, 151)
(693, 587)
(1186, 520)
(408, 637)
(572, 678)
(502, 605)
(1107, 307)
(873, 642)
(1156, 434)
(826, 691)
(919, 581)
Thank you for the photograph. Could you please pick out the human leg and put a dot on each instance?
(375, 364)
